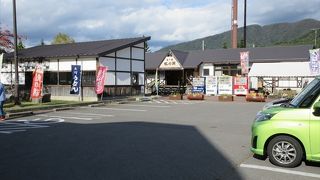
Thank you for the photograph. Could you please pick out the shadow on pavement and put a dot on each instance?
(130, 150)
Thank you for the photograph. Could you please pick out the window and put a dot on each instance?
(88, 78)
(50, 78)
(206, 72)
(65, 78)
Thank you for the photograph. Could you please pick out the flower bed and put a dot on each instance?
(176, 97)
(225, 98)
(255, 97)
(195, 96)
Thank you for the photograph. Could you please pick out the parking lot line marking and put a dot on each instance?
(280, 170)
(66, 117)
(93, 114)
(10, 132)
(146, 105)
(120, 109)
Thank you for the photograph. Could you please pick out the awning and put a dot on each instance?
(282, 69)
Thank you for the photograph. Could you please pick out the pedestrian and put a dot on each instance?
(2, 99)
(305, 84)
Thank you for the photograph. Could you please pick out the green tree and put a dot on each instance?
(146, 47)
(20, 44)
(241, 44)
(225, 46)
(62, 38)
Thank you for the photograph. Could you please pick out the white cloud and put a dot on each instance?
(167, 21)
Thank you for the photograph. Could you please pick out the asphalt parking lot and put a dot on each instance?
(148, 140)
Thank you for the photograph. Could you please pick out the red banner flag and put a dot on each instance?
(100, 78)
(37, 82)
(244, 61)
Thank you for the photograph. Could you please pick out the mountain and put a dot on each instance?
(259, 36)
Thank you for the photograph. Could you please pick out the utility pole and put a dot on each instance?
(245, 25)
(15, 54)
(234, 23)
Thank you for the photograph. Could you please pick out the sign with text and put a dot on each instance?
(240, 85)
(170, 62)
(314, 61)
(211, 85)
(198, 85)
(76, 79)
(37, 82)
(100, 79)
(225, 85)
(244, 61)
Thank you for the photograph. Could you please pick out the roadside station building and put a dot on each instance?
(174, 68)
(125, 59)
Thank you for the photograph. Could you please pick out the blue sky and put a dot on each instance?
(166, 21)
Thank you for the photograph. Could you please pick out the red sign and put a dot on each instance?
(240, 85)
(37, 82)
(100, 78)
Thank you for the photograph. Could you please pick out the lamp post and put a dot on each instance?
(15, 54)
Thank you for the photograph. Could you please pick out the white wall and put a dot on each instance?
(87, 64)
(65, 64)
(124, 53)
(207, 66)
(110, 62)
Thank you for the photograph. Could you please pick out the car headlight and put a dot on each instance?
(263, 116)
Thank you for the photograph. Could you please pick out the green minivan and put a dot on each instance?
(290, 133)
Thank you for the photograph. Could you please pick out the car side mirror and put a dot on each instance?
(316, 109)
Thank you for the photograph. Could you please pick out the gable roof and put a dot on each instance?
(93, 48)
(192, 59)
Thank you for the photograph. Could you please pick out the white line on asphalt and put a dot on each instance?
(164, 101)
(120, 109)
(157, 101)
(66, 117)
(146, 105)
(93, 114)
(10, 132)
(280, 170)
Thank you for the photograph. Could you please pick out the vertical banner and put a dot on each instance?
(37, 81)
(76, 79)
(240, 85)
(314, 61)
(244, 61)
(100, 78)
(211, 85)
(225, 85)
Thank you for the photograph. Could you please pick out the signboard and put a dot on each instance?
(37, 82)
(225, 85)
(240, 85)
(211, 85)
(170, 62)
(100, 79)
(9, 78)
(244, 61)
(76, 79)
(314, 61)
(198, 85)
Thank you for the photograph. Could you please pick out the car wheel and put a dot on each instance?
(285, 151)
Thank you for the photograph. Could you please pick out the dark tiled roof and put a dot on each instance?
(154, 59)
(224, 56)
(93, 48)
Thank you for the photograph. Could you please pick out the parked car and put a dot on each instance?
(289, 133)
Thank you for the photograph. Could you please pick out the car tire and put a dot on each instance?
(285, 151)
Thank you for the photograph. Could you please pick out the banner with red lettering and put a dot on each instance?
(100, 78)
(37, 81)
(244, 61)
(240, 85)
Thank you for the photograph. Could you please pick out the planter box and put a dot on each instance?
(195, 97)
(255, 98)
(225, 98)
(176, 97)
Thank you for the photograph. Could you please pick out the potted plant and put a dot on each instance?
(195, 96)
(225, 97)
(255, 97)
(175, 96)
